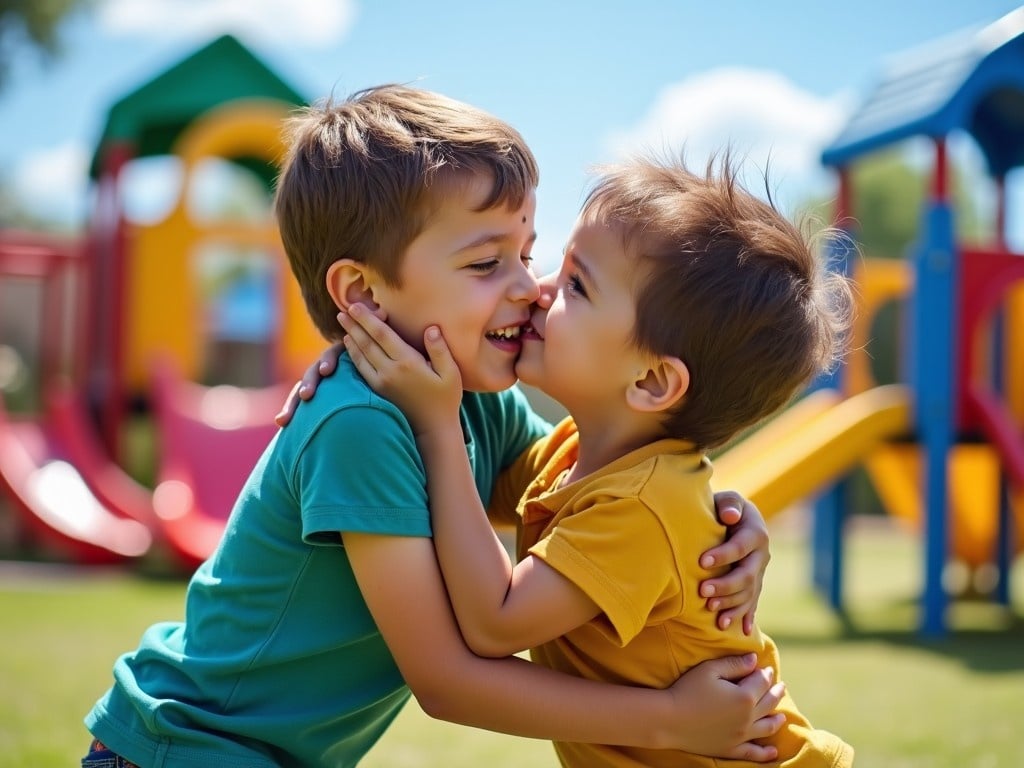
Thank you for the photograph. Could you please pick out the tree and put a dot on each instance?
(34, 24)
(888, 203)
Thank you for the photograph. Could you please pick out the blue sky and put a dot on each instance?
(584, 82)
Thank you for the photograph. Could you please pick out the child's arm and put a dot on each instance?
(704, 712)
(501, 608)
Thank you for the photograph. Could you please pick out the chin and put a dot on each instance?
(490, 383)
(523, 374)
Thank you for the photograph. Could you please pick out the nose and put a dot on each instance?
(524, 285)
(548, 287)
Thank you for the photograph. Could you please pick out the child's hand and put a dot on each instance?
(428, 392)
(305, 388)
(735, 595)
(736, 705)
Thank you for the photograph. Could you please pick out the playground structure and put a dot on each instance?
(155, 284)
(945, 449)
(188, 289)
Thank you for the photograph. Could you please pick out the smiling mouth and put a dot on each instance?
(509, 333)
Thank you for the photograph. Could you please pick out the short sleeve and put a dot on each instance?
(617, 552)
(360, 471)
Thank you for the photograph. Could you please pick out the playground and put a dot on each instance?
(189, 331)
(192, 322)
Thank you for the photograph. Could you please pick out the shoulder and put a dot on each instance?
(667, 479)
(346, 411)
(677, 488)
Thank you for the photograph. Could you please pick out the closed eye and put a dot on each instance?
(484, 266)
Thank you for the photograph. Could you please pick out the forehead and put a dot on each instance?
(456, 223)
(605, 252)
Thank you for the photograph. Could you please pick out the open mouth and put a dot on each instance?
(529, 332)
(508, 333)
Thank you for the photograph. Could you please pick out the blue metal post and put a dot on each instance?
(932, 361)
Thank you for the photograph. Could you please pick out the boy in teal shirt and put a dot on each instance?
(323, 604)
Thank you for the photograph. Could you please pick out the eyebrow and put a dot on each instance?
(493, 237)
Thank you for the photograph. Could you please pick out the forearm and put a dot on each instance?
(476, 567)
(514, 696)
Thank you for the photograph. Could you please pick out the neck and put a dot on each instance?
(604, 440)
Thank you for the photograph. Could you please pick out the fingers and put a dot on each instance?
(761, 686)
(748, 622)
(370, 327)
(745, 540)
(329, 359)
(737, 668)
(731, 588)
(440, 355)
(356, 334)
(756, 753)
(364, 366)
(284, 416)
(306, 387)
(729, 506)
(729, 551)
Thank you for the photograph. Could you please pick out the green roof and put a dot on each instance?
(151, 117)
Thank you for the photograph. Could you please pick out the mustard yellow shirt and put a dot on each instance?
(630, 536)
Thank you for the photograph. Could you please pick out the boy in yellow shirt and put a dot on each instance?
(670, 282)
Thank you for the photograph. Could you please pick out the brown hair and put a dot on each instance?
(361, 177)
(728, 285)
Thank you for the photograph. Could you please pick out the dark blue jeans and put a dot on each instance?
(101, 757)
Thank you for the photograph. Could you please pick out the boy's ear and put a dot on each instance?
(353, 282)
(660, 386)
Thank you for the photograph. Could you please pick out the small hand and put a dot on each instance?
(735, 594)
(428, 392)
(306, 387)
(731, 703)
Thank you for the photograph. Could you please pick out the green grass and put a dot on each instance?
(902, 701)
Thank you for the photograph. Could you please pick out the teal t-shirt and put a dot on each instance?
(278, 661)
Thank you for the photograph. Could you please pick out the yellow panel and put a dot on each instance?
(896, 470)
(815, 452)
(163, 309)
(877, 281)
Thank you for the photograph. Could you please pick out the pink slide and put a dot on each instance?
(210, 439)
(70, 495)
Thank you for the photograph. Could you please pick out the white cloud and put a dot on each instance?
(53, 183)
(318, 23)
(762, 116)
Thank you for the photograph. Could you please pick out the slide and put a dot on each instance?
(812, 444)
(209, 439)
(73, 499)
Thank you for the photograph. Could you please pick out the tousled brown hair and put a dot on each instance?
(727, 284)
(362, 176)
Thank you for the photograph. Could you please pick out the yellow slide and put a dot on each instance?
(813, 443)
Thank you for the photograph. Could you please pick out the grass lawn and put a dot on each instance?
(903, 702)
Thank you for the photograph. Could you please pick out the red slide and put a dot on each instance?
(72, 497)
(209, 440)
